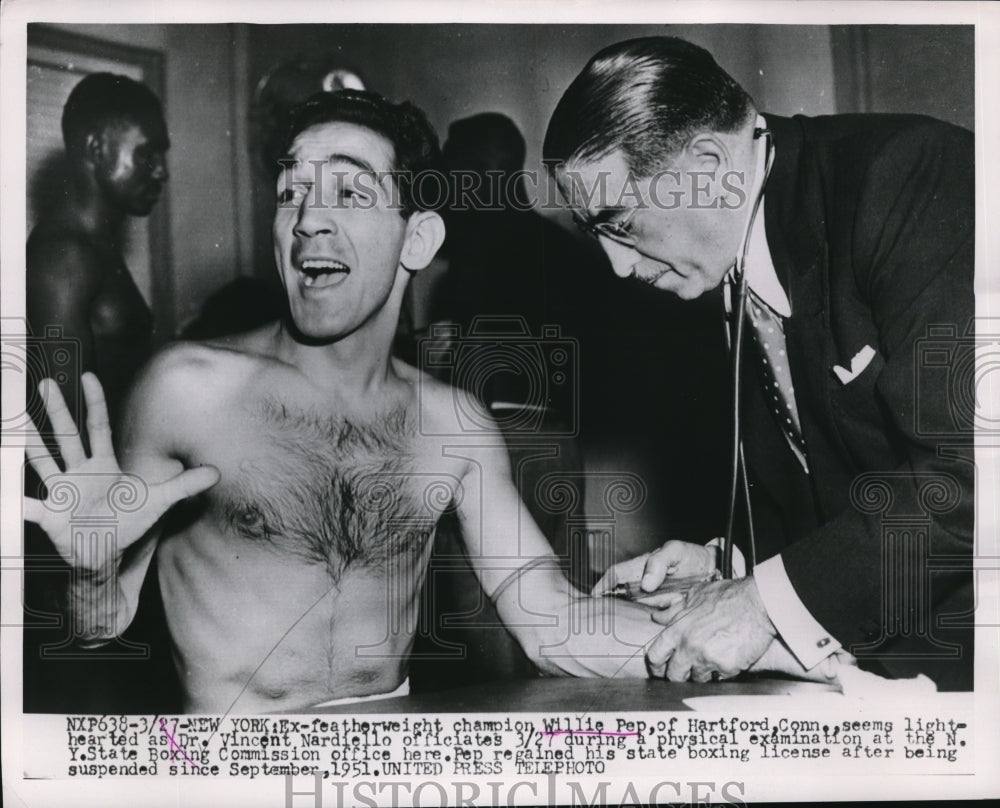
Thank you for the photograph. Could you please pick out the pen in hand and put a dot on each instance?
(632, 590)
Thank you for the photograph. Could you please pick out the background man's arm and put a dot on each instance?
(63, 277)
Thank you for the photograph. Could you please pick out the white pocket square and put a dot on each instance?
(860, 361)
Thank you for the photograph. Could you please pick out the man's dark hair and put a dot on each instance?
(489, 141)
(646, 97)
(404, 125)
(106, 99)
(485, 144)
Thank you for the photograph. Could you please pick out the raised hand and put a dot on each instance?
(95, 487)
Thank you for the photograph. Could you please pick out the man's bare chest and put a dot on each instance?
(331, 490)
(119, 310)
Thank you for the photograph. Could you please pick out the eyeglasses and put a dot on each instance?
(618, 230)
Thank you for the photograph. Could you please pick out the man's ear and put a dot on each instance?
(94, 148)
(709, 153)
(424, 237)
(710, 156)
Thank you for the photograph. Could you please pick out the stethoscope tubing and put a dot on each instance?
(737, 469)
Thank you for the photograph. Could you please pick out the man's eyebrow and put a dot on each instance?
(357, 162)
(290, 161)
(603, 215)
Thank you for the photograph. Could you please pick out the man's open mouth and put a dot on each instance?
(320, 272)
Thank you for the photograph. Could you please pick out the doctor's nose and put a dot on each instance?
(622, 258)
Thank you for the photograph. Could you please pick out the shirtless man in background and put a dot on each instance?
(313, 466)
(116, 143)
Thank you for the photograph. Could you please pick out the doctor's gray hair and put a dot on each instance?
(646, 97)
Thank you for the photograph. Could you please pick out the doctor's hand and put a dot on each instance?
(674, 559)
(720, 630)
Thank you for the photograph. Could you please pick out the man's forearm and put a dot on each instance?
(94, 604)
(566, 632)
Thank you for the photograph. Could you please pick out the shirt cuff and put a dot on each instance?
(807, 639)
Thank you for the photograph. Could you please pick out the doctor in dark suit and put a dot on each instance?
(845, 246)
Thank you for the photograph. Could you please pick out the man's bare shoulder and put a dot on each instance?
(448, 411)
(194, 380)
(257, 343)
(62, 255)
(58, 235)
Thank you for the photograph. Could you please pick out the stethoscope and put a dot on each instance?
(737, 471)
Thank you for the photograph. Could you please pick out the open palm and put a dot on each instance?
(93, 494)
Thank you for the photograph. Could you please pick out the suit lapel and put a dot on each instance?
(794, 218)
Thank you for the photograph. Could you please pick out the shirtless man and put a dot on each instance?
(116, 143)
(310, 467)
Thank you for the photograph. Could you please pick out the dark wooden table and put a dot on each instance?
(574, 695)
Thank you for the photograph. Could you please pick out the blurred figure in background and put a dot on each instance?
(241, 305)
(116, 145)
(506, 260)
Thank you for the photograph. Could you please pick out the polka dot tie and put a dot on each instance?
(768, 336)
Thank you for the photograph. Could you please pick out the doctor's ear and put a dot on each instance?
(709, 153)
(424, 237)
